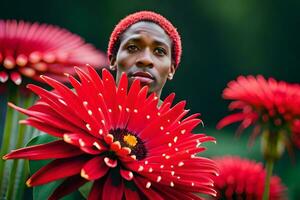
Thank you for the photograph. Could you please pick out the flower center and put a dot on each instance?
(131, 140)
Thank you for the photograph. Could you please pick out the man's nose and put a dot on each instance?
(145, 59)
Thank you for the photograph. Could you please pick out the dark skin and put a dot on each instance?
(145, 54)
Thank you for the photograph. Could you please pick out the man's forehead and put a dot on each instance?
(137, 29)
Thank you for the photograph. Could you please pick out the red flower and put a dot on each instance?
(265, 103)
(33, 49)
(244, 179)
(121, 140)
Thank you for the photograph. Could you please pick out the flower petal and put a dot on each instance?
(57, 169)
(94, 169)
(67, 186)
(51, 150)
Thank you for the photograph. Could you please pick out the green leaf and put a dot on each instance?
(85, 189)
(44, 191)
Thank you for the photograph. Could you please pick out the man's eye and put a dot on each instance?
(160, 51)
(132, 48)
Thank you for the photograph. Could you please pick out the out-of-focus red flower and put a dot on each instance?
(119, 138)
(267, 104)
(244, 179)
(29, 50)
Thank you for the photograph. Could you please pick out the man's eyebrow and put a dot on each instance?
(156, 41)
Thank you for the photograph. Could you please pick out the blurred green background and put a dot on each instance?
(221, 40)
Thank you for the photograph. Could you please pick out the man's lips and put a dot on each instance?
(144, 77)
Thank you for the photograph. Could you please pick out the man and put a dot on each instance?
(147, 47)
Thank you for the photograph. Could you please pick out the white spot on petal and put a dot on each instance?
(148, 185)
(141, 168)
(100, 131)
(162, 166)
(90, 112)
(150, 169)
(97, 145)
(180, 164)
(81, 143)
(161, 128)
(135, 110)
(171, 184)
(167, 157)
(169, 144)
(158, 179)
(172, 172)
(88, 127)
(62, 101)
(148, 116)
(175, 139)
(183, 131)
(109, 110)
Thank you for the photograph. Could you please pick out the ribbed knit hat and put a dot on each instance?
(165, 24)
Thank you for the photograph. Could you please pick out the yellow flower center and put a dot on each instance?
(131, 140)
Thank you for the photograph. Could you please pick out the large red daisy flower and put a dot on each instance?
(32, 49)
(117, 137)
(270, 104)
(244, 179)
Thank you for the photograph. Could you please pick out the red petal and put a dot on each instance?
(3, 77)
(57, 169)
(131, 195)
(56, 149)
(128, 175)
(230, 119)
(112, 192)
(168, 100)
(16, 78)
(97, 190)
(68, 186)
(94, 169)
(145, 187)
(110, 162)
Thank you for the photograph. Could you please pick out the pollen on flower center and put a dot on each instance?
(131, 140)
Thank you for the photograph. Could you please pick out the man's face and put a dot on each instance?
(145, 54)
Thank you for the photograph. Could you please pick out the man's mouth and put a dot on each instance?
(144, 77)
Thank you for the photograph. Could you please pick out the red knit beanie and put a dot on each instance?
(125, 23)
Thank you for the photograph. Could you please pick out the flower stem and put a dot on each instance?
(269, 168)
(16, 173)
(273, 143)
(9, 127)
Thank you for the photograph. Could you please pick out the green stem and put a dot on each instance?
(22, 138)
(269, 168)
(273, 143)
(9, 126)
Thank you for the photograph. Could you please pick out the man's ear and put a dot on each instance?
(171, 71)
(112, 63)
